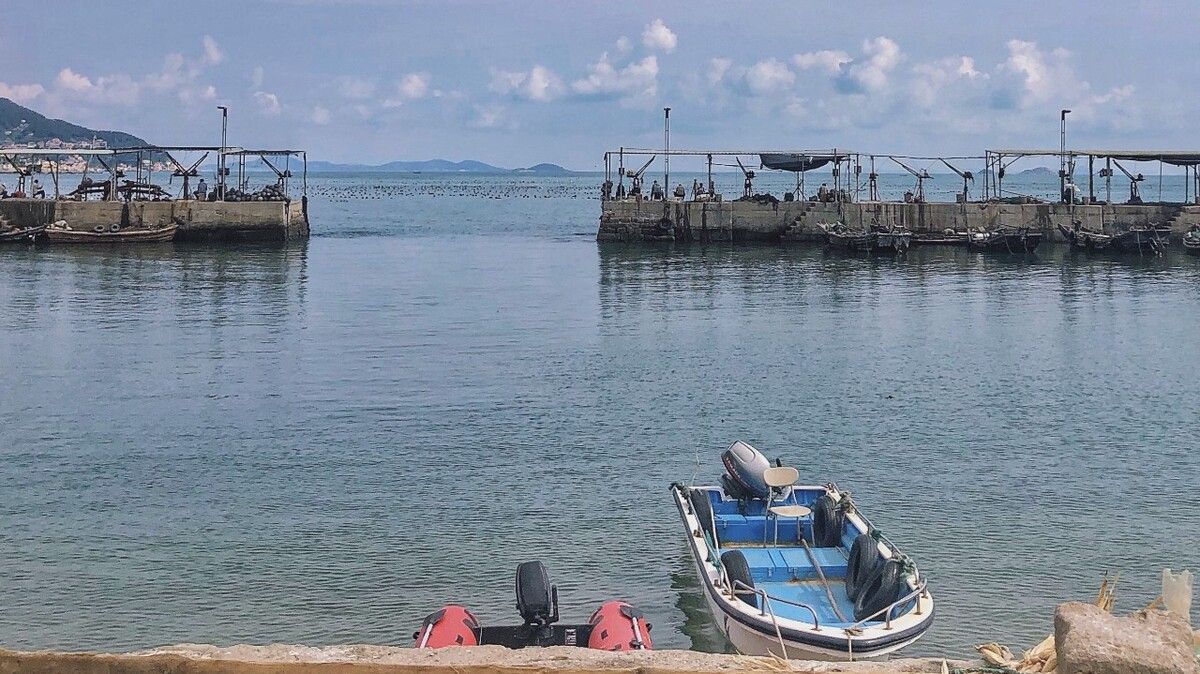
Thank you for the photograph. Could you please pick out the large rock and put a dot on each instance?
(1089, 640)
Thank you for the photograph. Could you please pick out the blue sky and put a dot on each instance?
(518, 83)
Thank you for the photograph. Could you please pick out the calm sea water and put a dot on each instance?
(323, 442)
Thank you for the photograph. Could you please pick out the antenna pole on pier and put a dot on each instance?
(667, 150)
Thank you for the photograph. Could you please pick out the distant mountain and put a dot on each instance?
(20, 125)
(1038, 172)
(436, 166)
(545, 170)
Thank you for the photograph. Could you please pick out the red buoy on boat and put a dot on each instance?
(618, 626)
(451, 625)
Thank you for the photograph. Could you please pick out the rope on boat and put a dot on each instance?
(824, 581)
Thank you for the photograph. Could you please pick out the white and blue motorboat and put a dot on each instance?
(797, 571)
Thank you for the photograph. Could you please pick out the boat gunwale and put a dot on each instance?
(804, 635)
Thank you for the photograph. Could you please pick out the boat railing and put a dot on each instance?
(767, 608)
(741, 588)
(887, 625)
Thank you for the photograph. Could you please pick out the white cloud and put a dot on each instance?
(658, 36)
(212, 53)
(72, 81)
(623, 45)
(21, 93)
(829, 60)
(1031, 79)
(320, 115)
(870, 74)
(936, 82)
(414, 85)
(539, 84)
(117, 89)
(637, 80)
(769, 76)
(356, 88)
(268, 103)
(487, 117)
(256, 77)
(717, 67)
(194, 95)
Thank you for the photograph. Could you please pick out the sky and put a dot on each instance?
(518, 83)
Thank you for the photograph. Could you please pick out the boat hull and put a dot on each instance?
(1006, 242)
(752, 632)
(123, 236)
(22, 235)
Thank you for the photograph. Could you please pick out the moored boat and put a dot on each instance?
(113, 234)
(18, 235)
(1191, 241)
(877, 239)
(1005, 240)
(1079, 238)
(797, 571)
(615, 626)
(1143, 240)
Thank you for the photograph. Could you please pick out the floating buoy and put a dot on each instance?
(451, 625)
(618, 626)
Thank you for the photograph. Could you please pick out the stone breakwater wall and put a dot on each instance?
(197, 220)
(737, 221)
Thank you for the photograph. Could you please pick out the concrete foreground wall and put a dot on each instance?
(643, 220)
(202, 220)
(281, 659)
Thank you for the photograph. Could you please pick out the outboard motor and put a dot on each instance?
(745, 465)
(537, 599)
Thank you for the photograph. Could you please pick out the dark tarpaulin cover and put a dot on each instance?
(796, 162)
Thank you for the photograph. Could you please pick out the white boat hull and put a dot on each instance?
(735, 618)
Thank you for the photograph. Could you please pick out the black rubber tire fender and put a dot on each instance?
(827, 523)
(883, 588)
(703, 509)
(736, 569)
(862, 563)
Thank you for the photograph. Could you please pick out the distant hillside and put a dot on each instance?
(545, 170)
(19, 124)
(436, 166)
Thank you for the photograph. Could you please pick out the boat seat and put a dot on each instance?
(784, 564)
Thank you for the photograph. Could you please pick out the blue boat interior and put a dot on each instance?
(781, 566)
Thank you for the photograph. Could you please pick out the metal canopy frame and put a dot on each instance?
(7, 155)
(996, 161)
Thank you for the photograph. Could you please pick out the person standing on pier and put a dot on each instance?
(656, 192)
(202, 190)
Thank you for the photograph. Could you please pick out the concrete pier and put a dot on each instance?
(633, 219)
(197, 220)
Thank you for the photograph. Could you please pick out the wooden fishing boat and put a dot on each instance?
(1079, 238)
(111, 235)
(1191, 241)
(1139, 239)
(797, 571)
(26, 235)
(1005, 240)
(877, 239)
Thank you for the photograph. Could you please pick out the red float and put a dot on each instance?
(450, 625)
(617, 626)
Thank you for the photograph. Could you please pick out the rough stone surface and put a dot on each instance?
(1088, 640)
(361, 659)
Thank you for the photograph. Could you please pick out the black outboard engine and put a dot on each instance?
(537, 599)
